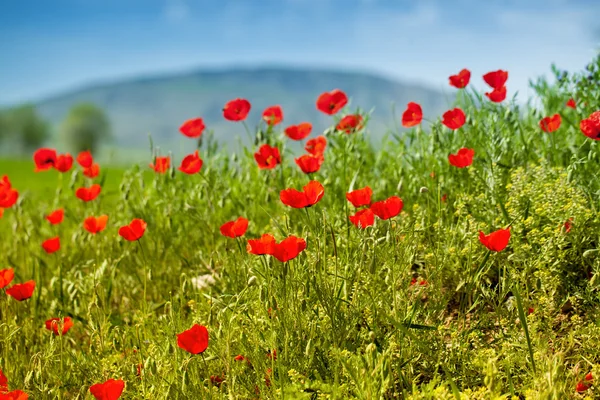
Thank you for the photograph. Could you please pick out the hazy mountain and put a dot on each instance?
(158, 105)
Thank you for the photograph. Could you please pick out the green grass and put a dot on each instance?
(343, 317)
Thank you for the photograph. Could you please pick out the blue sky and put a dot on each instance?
(52, 46)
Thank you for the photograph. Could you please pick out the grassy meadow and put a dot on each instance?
(412, 307)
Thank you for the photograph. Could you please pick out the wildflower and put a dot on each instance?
(550, 124)
(194, 340)
(454, 118)
(88, 194)
(55, 325)
(590, 126)
(134, 231)
(309, 163)
(235, 228)
(360, 197)
(8, 195)
(412, 116)
(262, 246)
(6, 277)
(289, 248)
(311, 194)
(463, 158)
(332, 102)
(298, 132)
(460, 80)
(51, 245)
(191, 164)
(497, 95)
(109, 390)
(273, 115)
(496, 79)
(21, 291)
(495, 241)
(161, 164)
(95, 224)
(63, 163)
(236, 110)
(267, 157)
(571, 104)
(316, 146)
(44, 159)
(92, 172)
(56, 217)
(388, 208)
(350, 124)
(363, 218)
(192, 128)
(85, 159)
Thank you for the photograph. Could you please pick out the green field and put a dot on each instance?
(412, 307)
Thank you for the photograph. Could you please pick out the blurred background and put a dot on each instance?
(105, 74)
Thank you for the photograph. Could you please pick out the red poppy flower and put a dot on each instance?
(6, 277)
(273, 115)
(51, 245)
(263, 246)
(216, 380)
(309, 164)
(161, 164)
(55, 325)
(495, 241)
(3, 383)
(289, 248)
(235, 228)
(360, 197)
(85, 159)
(460, 80)
(550, 124)
(8, 195)
(454, 118)
(298, 132)
(109, 390)
(88, 194)
(236, 110)
(497, 95)
(589, 377)
(463, 158)
(316, 146)
(496, 79)
(388, 208)
(267, 157)
(192, 128)
(1, 212)
(14, 395)
(589, 126)
(194, 340)
(350, 123)
(56, 217)
(568, 225)
(134, 231)
(310, 195)
(44, 159)
(332, 102)
(363, 218)
(95, 224)
(412, 116)
(191, 164)
(582, 387)
(444, 198)
(239, 357)
(64, 162)
(92, 171)
(21, 291)
(571, 104)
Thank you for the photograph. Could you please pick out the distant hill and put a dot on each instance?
(158, 105)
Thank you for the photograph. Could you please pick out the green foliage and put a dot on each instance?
(23, 127)
(86, 127)
(343, 317)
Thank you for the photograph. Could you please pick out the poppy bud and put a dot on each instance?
(252, 281)
(371, 348)
(372, 336)
(423, 190)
